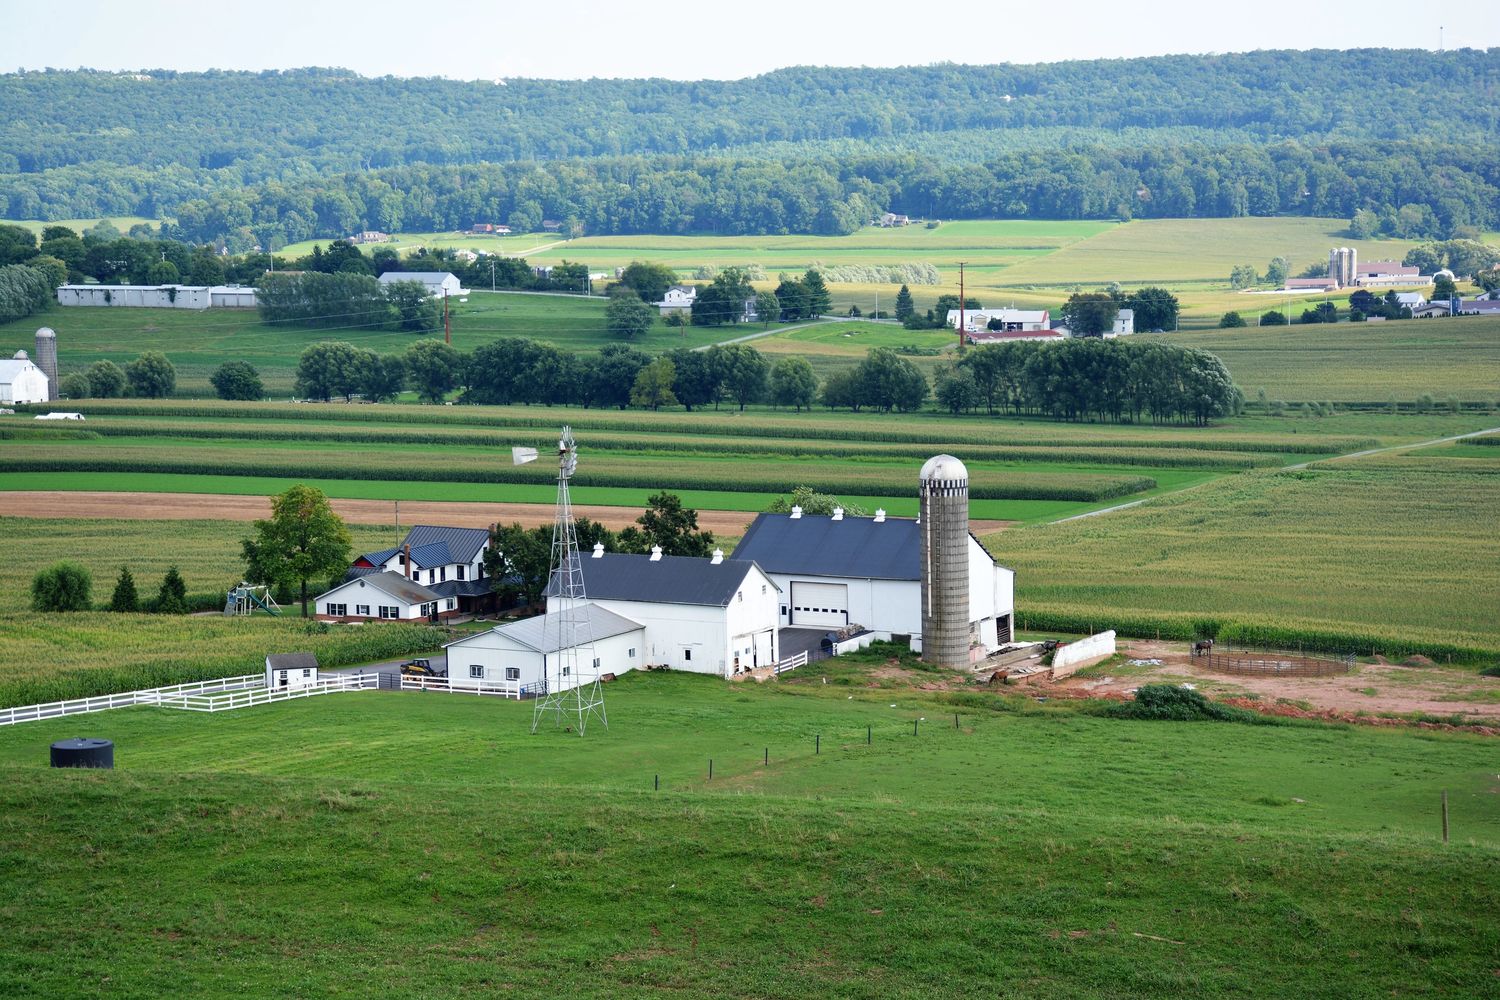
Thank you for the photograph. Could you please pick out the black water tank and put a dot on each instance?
(83, 751)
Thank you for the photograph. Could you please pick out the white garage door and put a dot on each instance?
(820, 604)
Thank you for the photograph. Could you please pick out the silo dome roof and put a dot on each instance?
(944, 467)
(46, 331)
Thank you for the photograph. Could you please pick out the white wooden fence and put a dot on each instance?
(148, 696)
(223, 701)
(792, 662)
(220, 694)
(504, 689)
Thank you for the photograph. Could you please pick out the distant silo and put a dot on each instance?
(945, 562)
(46, 358)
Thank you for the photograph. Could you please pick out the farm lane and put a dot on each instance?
(229, 507)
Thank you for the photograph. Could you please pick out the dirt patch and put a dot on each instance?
(224, 507)
(1372, 688)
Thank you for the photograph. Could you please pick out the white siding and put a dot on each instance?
(27, 385)
(494, 651)
(358, 593)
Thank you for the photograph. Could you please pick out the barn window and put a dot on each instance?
(596, 663)
(512, 673)
(687, 654)
(762, 588)
(567, 671)
(740, 596)
(306, 672)
(476, 672)
(631, 652)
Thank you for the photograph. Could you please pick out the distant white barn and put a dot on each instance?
(835, 571)
(21, 381)
(437, 283)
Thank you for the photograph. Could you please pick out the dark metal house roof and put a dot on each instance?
(817, 545)
(620, 576)
(397, 586)
(435, 545)
(292, 661)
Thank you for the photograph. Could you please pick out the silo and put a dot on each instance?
(945, 562)
(46, 358)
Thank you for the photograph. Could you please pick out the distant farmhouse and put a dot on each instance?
(985, 326)
(371, 236)
(437, 283)
(435, 572)
(678, 298)
(489, 229)
(158, 296)
(891, 219)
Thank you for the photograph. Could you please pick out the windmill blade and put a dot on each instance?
(520, 456)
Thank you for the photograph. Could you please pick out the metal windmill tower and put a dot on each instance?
(573, 692)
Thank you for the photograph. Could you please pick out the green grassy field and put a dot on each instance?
(423, 845)
(198, 342)
(1391, 550)
(80, 226)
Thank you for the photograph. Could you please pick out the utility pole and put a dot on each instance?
(447, 326)
(961, 306)
(492, 275)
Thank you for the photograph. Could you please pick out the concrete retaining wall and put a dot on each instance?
(1083, 653)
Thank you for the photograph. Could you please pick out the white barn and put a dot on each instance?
(528, 655)
(707, 616)
(381, 596)
(834, 571)
(437, 283)
(291, 670)
(21, 381)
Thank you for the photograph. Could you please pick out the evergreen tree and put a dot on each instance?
(904, 307)
(171, 599)
(818, 300)
(125, 597)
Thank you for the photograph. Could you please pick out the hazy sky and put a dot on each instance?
(582, 38)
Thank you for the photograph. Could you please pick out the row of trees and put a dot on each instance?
(24, 289)
(1092, 314)
(1085, 379)
(67, 586)
(149, 376)
(312, 298)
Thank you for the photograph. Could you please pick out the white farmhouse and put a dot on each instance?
(836, 571)
(707, 616)
(382, 596)
(448, 561)
(527, 656)
(21, 381)
(437, 283)
(976, 320)
(679, 298)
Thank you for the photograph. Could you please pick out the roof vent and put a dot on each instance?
(20, 356)
(879, 515)
(718, 556)
(838, 513)
(656, 553)
(598, 550)
(796, 512)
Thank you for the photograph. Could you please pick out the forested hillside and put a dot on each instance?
(319, 152)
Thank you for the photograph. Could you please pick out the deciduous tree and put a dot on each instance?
(302, 540)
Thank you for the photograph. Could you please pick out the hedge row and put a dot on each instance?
(706, 446)
(1187, 627)
(1485, 439)
(743, 480)
(937, 430)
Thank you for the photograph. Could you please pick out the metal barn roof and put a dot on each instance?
(620, 576)
(817, 545)
(545, 635)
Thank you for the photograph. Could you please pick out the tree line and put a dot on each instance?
(1091, 379)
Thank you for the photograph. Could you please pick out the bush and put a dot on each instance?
(1173, 703)
(237, 380)
(1231, 320)
(64, 586)
(74, 386)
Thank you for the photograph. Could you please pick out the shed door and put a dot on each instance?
(820, 604)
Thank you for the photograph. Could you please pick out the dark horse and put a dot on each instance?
(1203, 647)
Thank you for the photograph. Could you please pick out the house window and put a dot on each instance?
(388, 611)
(460, 570)
(442, 573)
(567, 671)
(476, 672)
(687, 654)
(306, 671)
(596, 663)
(338, 610)
(363, 610)
(451, 603)
(512, 673)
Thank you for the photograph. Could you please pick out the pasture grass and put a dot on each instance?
(423, 845)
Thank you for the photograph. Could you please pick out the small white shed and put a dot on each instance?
(291, 670)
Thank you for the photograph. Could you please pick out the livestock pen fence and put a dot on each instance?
(217, 695)
(1271, 663)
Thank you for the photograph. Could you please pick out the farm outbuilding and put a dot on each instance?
(437, 283)
(291, 670)
(526, 654)
(835, 571)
